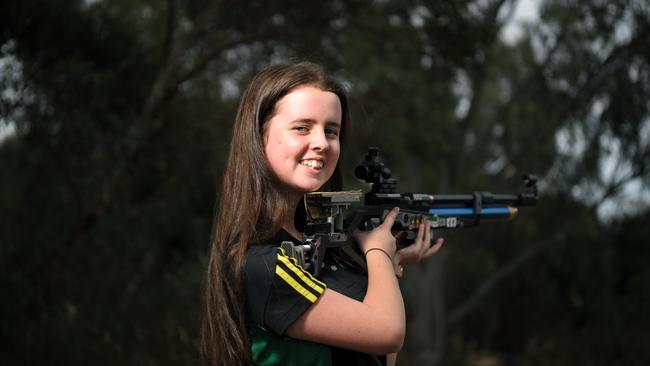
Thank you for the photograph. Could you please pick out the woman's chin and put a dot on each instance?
(308, 188)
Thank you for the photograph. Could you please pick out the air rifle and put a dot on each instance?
(332, 217)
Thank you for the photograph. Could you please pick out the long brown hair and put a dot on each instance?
(251, 205)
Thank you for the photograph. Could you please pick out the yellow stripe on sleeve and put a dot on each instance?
(295, 262)
(296, 286)
(299, 268)
(303, 275)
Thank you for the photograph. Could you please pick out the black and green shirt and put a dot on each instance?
(279, 291)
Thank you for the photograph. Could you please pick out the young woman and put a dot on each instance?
(261, 306)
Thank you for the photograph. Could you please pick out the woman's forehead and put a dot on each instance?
(310, 102)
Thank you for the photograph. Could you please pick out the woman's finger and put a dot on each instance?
(427, 235)
(434, 248)
(389, 220)
(420, 236)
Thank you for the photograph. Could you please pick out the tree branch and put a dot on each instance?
(615, 185)
(479, 71)
(178, 47)
(600, 74)
(491, 283)
(172, 77)
(170, 29)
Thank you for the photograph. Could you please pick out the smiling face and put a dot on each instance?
(302, 138)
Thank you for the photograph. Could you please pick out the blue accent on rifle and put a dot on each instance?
(468, 212)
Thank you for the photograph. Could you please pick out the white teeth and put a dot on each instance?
(312, 163)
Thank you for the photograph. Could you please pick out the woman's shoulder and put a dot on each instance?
(268, 247)
(264, 254)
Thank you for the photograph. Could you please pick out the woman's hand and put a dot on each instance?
(380, 237)
(420, 249)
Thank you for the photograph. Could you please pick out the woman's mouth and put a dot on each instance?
(316, 164)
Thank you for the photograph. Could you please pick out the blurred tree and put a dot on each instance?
(121, 114)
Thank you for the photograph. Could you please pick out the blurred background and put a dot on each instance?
(115, 119)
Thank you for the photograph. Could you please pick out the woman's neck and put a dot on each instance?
(289, 223)
(293, 231)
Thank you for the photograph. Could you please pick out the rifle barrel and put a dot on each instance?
(522, 199)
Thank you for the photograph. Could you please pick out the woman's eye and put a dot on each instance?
(332, 132)
(301, 129)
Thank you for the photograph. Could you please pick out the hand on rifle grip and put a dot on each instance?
(380, 237)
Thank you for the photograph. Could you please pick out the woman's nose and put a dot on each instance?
(319, 140)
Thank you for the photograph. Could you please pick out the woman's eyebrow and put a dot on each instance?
(312, 121)
(304, 120)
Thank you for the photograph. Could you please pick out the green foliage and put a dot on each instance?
(122, 115)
